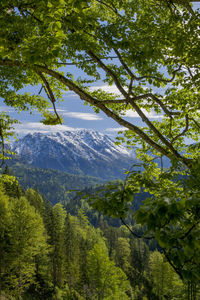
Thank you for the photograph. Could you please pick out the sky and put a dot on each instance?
(75, 114)
(73, 110)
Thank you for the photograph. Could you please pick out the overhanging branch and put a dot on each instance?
(184, 131)
(50, 94)
(87, 97)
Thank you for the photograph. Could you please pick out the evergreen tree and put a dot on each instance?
(166, 283)
(105, 279)
(72, 251)
(123, 255)
(36, 200)
(25, 243)
(57, 243)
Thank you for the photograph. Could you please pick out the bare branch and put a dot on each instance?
(31, 14)
(130, 88)
(195, 122)
(134, 77)
(154, 129)
(173, 266)
(188, 232)
(109, 72)
(40, 90)
(190, 72)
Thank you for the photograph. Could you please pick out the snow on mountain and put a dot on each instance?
(79, 152)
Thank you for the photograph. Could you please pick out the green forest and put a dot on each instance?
(133, 239)
(46, 253)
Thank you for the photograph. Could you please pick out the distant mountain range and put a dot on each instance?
(83, 152)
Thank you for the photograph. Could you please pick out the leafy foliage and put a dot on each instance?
(155, 69)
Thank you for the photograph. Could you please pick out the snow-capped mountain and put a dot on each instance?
(78, 152)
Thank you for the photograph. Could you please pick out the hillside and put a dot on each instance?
(53, 184)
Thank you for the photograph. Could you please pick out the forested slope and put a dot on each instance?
(56, 186)
(48, 254)
(53, 184)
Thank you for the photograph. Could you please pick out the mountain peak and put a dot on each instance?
(79, 151)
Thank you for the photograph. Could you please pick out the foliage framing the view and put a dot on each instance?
(149, 50)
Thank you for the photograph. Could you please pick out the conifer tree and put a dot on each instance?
(105, 279)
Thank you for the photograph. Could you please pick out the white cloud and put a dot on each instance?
(57, 109)
(116, 129)
(70, 95)
(133, 114)
(77, 115)
(107, 88)
(82, 116)
(28, 127)
(7, 109)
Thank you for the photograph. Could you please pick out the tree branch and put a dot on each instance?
(87, 97)
(154, 129)
(2, 147)
(86, 60)
(135, 234)
(134, 77)
(108, 72)
(170, 262)
(188, 232)
(184, 131)
(128, 70)
(40, 90)
(50, 94)
(195, 122)
(31, 14)
(108, 6)
(114, 101)
(161, 79)
(157, 100)
(134, 105)
(190, 72)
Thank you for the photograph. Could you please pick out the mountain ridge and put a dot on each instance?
(85, 152)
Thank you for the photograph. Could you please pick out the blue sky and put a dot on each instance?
(74, 112)
(75, 115)
(72, 109)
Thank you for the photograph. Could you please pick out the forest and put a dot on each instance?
(147, 52)
(47, 253)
